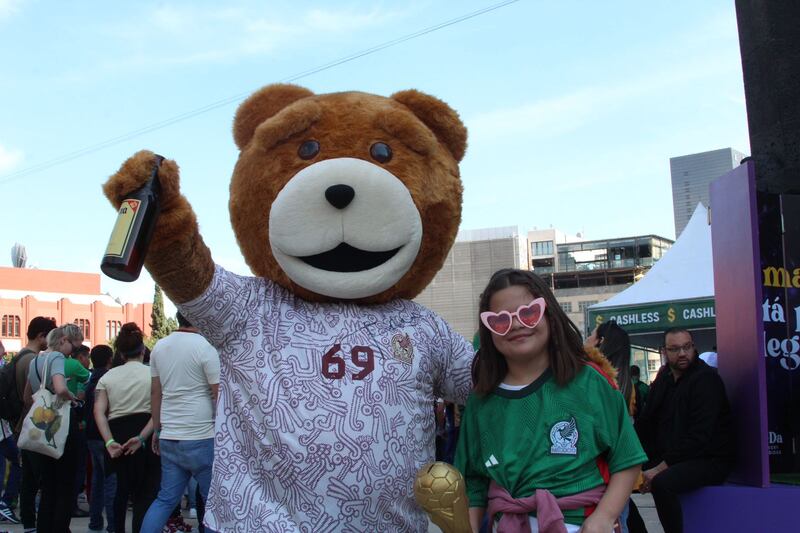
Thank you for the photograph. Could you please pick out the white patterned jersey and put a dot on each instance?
(325, 410)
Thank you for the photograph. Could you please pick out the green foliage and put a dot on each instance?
(160, 325)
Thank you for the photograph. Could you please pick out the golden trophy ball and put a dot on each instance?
(440, 490)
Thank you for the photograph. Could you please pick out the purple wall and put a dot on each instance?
(737, 508)
(737, 288)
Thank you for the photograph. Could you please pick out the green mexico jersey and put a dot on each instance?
(76, 375)
(546, 437)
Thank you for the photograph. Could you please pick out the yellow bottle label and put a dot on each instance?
(122, 229)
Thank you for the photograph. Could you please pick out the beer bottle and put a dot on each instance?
(131, 236)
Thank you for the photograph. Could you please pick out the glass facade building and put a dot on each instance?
(691, 176)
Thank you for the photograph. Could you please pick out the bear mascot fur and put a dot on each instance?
(345, 206)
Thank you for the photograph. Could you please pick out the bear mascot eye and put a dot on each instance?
(381, 152)
(308, 150)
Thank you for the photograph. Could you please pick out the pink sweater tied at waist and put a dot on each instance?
(546, 506)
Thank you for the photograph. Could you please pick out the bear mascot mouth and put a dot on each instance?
(345, 246)
(346, 258)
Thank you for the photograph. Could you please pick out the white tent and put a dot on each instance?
(677, 291)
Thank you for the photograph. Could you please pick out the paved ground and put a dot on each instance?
(648, 511)
(643, 501)
(81, 525)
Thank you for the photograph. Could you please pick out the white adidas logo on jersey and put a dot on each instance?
(491, 462)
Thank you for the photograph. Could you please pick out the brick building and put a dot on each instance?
(66, 297)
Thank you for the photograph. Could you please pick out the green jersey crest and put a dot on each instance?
(564, 437)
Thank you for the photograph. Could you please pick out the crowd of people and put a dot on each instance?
(557, 430)
(141, 426)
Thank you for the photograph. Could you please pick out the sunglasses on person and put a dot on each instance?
(527, 315)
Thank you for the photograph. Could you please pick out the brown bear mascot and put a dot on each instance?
(345, 206)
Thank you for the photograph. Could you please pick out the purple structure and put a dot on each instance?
(752, 503)
(737, 289)
(736, 508)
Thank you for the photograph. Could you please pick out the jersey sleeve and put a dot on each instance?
(82, 375)
(455, 354)
(616, 429)
(467, 459)
(222, 311)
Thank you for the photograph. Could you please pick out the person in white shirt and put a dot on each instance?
(122, 415)
(185, 379)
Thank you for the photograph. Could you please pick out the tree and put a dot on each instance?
(161, 326)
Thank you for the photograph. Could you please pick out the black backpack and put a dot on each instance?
(10, 402)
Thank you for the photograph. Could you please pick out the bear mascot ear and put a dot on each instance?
(439, 117)
(262, 105)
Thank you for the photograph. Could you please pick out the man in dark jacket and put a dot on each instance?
(685, 429)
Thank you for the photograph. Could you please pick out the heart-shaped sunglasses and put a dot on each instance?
(527, 315)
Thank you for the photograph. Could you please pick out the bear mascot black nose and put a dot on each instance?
(339, 196)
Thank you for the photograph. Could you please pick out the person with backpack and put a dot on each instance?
(13, 377)
(56, 476)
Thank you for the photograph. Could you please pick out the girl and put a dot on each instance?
(122, 415)
(545, 432)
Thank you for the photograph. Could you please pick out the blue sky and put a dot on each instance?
(573, 108)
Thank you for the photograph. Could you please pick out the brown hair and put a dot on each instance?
(565, 347)
(130, 341)
(616, 347)
(40, 326)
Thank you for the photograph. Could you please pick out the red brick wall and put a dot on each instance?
(65, 311)
(31, 279)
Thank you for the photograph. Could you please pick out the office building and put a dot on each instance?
(691, 176)
(476, 255)
(584, 273)
(580, 272)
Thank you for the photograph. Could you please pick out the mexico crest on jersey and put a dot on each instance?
(564, 437)
(402, 349)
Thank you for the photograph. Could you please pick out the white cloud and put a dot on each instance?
(9, 159)
(345, 20)
(198, 35)
(9, 8)
(559, 115)
(544, 118)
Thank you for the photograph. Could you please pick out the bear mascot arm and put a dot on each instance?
(178, 259)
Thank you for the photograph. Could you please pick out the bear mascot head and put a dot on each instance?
(345, 206)
(346, 196)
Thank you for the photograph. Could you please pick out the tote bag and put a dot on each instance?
(46, 425)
